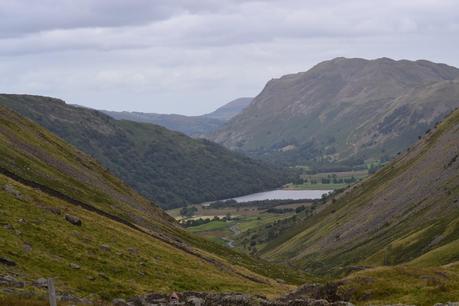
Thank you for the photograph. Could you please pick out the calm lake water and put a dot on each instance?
(283, 194)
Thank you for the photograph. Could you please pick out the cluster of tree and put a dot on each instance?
(331, 179)
(276, 210)
(188, 211)
(201, 221)
(260, 205)
(167, 167)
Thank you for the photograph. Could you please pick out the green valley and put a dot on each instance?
(64, 216)
(167, 167)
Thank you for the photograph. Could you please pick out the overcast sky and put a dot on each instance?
(191, 56)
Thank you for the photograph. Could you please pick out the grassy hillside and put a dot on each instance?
(344, 111)
(167, 167)
(125, 245)
(406, 213)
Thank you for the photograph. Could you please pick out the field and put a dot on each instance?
(233, 222)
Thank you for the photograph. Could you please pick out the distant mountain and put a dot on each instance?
(167, 167)
(343, 110)
(229, 110)
(64, 216)
(408, 212)
(194, 126)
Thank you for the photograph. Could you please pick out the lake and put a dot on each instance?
(283, 194)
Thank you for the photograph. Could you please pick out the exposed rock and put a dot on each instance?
(155, 298)
(41, 283)
(7, 226)
(54, 210)
(448, 304)
(7, 262)
(72, 219)
(10, 281)
(222, 299)
(133, 251)
(119, 302)
(105, 248)
(27, 248)
(195, 301)
(12, 190)
(75, 266)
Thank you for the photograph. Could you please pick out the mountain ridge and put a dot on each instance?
(319, 115)
(194, 126)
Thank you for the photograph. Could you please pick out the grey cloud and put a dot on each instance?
(189, 56)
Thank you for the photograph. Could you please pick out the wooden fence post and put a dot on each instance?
(51, 293)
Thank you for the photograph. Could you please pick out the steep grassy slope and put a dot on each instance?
(344, 110)
(125, 244)
(194, 126)
(167, 167)
(407, 212)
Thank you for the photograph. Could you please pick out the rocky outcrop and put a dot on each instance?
(73, 220)
(221, 299)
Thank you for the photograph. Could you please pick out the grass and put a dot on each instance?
(384, 214)
(403, 285)
(135, 263)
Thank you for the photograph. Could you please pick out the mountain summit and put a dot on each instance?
(342, 109)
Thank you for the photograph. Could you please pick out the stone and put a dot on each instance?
(73, 220)
(133, 251)
(195, 301)
(119, 302)
(41, 283)
(27, 248)
(75, 266)
(105, 248)
(7, 262)
(155, 298)
(7, 226)
(13, 191)
(55, 210)
(67, 297)
(10, 281)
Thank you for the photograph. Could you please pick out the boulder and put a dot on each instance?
(119, 302)
(10, 281)
(194, 301)
(13, 191)
(41, 283)
(73, 220)
(27, 248)
(75, 266)
(105, 248)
